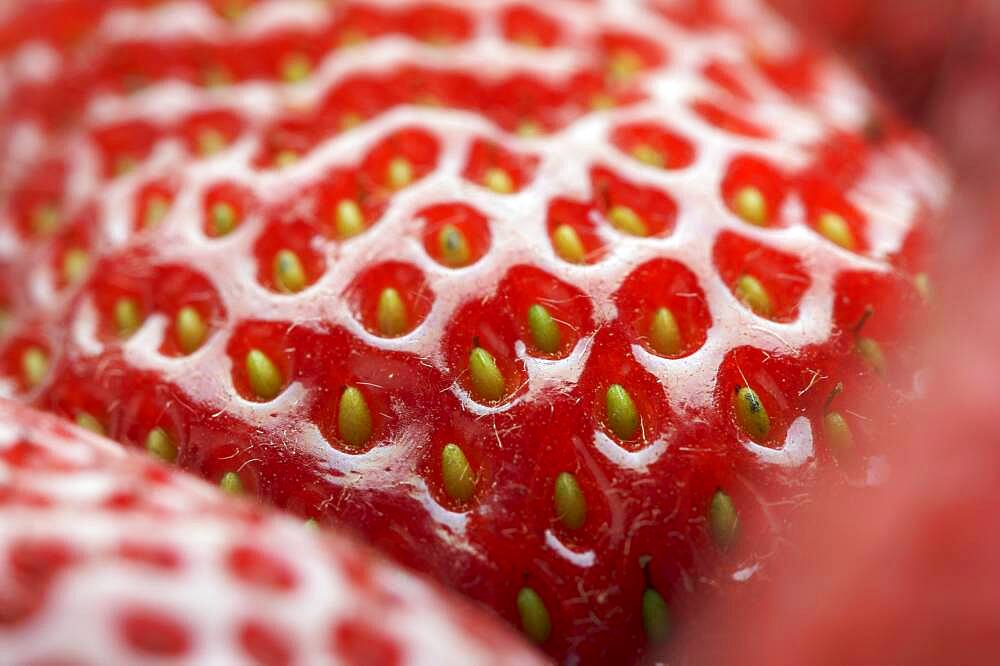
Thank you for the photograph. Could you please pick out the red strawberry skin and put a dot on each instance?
(905, 572)
(214, 261)
(112, 558)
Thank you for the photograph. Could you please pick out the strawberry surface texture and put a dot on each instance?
(566, 305)
(110, 557)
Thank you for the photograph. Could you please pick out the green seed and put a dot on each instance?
(655, 616)
(159, 444)
(391, 313)
(75, 264)
(836, 229)
(156, 209)
(648, 155)
(752, 294)
(453, 246)
(498, 180)
(354, 419)
(487, 382)
(350, 221)
(231, 483)
(400, 173)
(534, 616)
(128, 316)
(190, 328)
(88, 422)
(289, 274)
(295, 68)
(623, 417)
(664, 333)
(751, 415)
(750, 204)
(34, 366)
(45, 219)
(570, 503)
(839, 438)
(723, 520)
(224, 218)
(568, 245)
(265, 378)
(456, 473)
(871, 353)
(544, 330)
(627, 220)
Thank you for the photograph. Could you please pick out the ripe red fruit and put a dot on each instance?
(552, 305)
(112, 558)
(905, 572)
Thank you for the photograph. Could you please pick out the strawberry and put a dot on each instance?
(566, 307)
(904, 572)
(110, 557)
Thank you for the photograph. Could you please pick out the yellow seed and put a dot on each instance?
(350, 221)
(528, 40)
(839, 438)
(45, 219)
(487, 382)
(454, 247)
(289, 274)
(191, 329)
(568, 245)
(216, 76)
(34, 366)
(750, 204)
(74, 265)
(723, 520)
(655, 616)
(527, 129)
(4, 320)
(922, 283)
(626, 220)
(224, 218)
(456, 473)
(648, 155)
(210, 141)
(295, 68)
(624, 65)
(128, 316)
(231, 483)
(544, 329)
(623, 417)
(159, 444)
(350, 120)
(233, 10)
(570, 503)
(871, 353)
(156, 209)
(602, 102)
(664, 333)
(285, 158)
(354, 419)
(534, 616)
(836, 229)
(391, 313)
(400, 173)
(498, 180)
(125, 164)
(751, 414)
(89, 422)
(265, 377)
(311, 524)
(752, 294)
